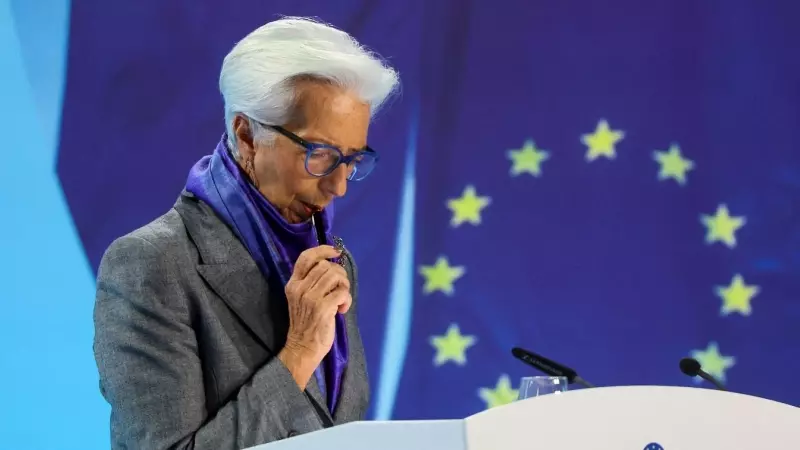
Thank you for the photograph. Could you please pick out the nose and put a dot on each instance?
(335, 183)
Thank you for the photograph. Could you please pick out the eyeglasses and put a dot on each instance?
(322, 159)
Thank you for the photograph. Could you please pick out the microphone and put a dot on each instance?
(692, 368)
(319, 228)
(548, 366)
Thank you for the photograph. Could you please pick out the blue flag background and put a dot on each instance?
(615, 185)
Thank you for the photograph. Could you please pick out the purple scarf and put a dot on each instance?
(273, 243)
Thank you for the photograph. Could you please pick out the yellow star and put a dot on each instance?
(673, 165)
(502, 394)
(602, 141)
(713, 362)
(721, 226)
(468, 207)
(527, 159)
(440, 276)
(737, 296)
(452, 346)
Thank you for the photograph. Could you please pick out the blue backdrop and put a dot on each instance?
(616, 185)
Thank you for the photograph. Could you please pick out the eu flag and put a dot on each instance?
(613, 184)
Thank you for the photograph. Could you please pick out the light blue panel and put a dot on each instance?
(42, 30)
(401, 300)
(48, 376)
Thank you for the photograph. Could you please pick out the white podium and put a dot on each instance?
(614, 418)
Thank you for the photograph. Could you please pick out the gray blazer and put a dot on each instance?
(186, 337)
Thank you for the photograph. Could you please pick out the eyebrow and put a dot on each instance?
(322, 140)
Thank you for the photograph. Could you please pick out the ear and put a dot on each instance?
(243, 136)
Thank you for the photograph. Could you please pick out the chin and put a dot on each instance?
(293, 217)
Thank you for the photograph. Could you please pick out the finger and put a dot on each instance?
(341, 299)
(334, 276)
(325, 283)
(322, 267)
(310, 257)
(347, 302)
(314, 275)
(344, 280)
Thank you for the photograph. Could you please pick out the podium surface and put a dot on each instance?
(631, 417)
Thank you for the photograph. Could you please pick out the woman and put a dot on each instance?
(230, 321)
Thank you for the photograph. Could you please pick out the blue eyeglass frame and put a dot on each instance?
(310, 147)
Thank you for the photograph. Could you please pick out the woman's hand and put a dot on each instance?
(317, 290)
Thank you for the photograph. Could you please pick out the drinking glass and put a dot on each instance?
(536, 386)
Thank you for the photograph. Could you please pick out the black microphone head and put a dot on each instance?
(690, 366)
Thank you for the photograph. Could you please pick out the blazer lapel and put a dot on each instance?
(228, 268)
(238, 289)
(348, 408)
(315, 393)
(231, 272)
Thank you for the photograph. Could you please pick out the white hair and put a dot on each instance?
(257, 75)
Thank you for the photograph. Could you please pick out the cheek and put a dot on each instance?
(279, 165)
(290, 172)
(307, 188)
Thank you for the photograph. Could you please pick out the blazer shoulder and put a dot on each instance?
(163, 233)
(159, 248)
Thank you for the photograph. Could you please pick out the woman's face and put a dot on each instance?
(325, 114)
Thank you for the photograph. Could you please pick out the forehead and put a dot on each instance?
(328, 113)
(321, 103)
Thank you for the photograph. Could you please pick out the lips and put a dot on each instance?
(302, 211)
(310, 208)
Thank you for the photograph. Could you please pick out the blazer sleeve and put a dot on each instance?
(151, 372)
